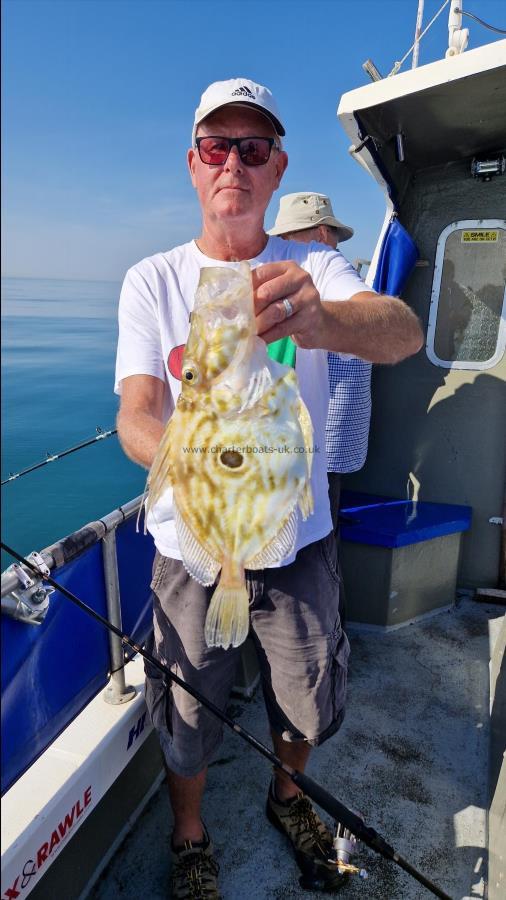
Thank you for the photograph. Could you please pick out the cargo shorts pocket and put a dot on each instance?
(328, 550)
(157, 690)
(339, 669)
(159, 569)
(158, 702)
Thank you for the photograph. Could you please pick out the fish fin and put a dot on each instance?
(257, 387)
(306, 503)
(281, 545)
(159, 475)
(306, 426)
(141, 509)
(196, 560)
(227, 620)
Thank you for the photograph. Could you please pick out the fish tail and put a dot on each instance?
(227, 620)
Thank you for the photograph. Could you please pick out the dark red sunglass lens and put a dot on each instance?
(254, 151)
(213, 151)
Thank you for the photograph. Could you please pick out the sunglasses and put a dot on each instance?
(253, 151)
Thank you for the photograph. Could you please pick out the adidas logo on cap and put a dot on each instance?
(243, 91)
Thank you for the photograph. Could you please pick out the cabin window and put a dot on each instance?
(467, 329)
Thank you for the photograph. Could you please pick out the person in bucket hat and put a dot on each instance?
(306, 212)
(236, 161)
(308, 216)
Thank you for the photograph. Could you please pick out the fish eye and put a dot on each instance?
(232, 459)
(190, 374)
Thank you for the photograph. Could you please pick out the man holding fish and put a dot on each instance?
(238, 500)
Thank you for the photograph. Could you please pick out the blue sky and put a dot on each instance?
(98, 102)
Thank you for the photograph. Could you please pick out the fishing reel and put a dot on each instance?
(316, 878)
(26, 599)
(343, 848)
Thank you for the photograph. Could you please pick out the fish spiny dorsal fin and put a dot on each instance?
(306, 502)
(159, 475)
(306, 426)
(141, 508)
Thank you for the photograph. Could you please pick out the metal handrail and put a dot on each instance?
(117, 691)
(69, 548)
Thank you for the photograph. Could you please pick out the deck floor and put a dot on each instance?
(411, 757)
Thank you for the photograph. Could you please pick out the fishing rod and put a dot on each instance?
(52, 457)
(340, 813)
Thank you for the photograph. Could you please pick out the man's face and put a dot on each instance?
(234, 190)
(324, 234)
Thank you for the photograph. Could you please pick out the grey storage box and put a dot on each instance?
(399, 558)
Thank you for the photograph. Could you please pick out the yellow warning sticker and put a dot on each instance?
(480, 236)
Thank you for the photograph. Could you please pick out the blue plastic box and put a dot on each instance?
(399, 558)
(385, 522)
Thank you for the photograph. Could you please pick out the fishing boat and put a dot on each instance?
(423, 524)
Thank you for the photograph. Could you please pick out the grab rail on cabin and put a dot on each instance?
(23, 596)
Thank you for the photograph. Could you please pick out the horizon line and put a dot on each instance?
(60, 278)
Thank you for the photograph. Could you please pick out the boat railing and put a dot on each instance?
(23, 596)
(106, 563)
(117, 691)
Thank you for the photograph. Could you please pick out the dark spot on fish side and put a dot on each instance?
(232, 459)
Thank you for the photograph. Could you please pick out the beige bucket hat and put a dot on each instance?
(307, 210)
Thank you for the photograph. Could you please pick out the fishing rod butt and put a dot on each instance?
(355, 824)
(407, 867)
(341, 813)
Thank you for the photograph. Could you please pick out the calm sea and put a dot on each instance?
(58, 354)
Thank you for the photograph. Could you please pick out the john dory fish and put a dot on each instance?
(236, 452)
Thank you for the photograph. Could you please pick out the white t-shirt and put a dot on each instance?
(154, 311)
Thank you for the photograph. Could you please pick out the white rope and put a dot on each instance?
(397, 65)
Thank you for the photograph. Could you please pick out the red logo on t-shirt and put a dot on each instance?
(175, 361)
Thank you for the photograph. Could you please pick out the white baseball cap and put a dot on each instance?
(240, 91)
(307, 210)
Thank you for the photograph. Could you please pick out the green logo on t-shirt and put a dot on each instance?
(283, 351)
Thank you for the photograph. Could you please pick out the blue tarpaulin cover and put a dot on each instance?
(397, 259)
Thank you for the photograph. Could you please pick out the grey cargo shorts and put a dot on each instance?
(302, 652)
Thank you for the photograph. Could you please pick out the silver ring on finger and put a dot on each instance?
(288, 308)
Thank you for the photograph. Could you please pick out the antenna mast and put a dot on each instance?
(458, 37)
(418, 29)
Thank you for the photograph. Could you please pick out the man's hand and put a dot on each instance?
(373, 327)
(271, 284)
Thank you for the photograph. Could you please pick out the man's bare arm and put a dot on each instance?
(139, 421)
(380, 329)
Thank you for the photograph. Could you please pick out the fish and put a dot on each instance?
(236, 452)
